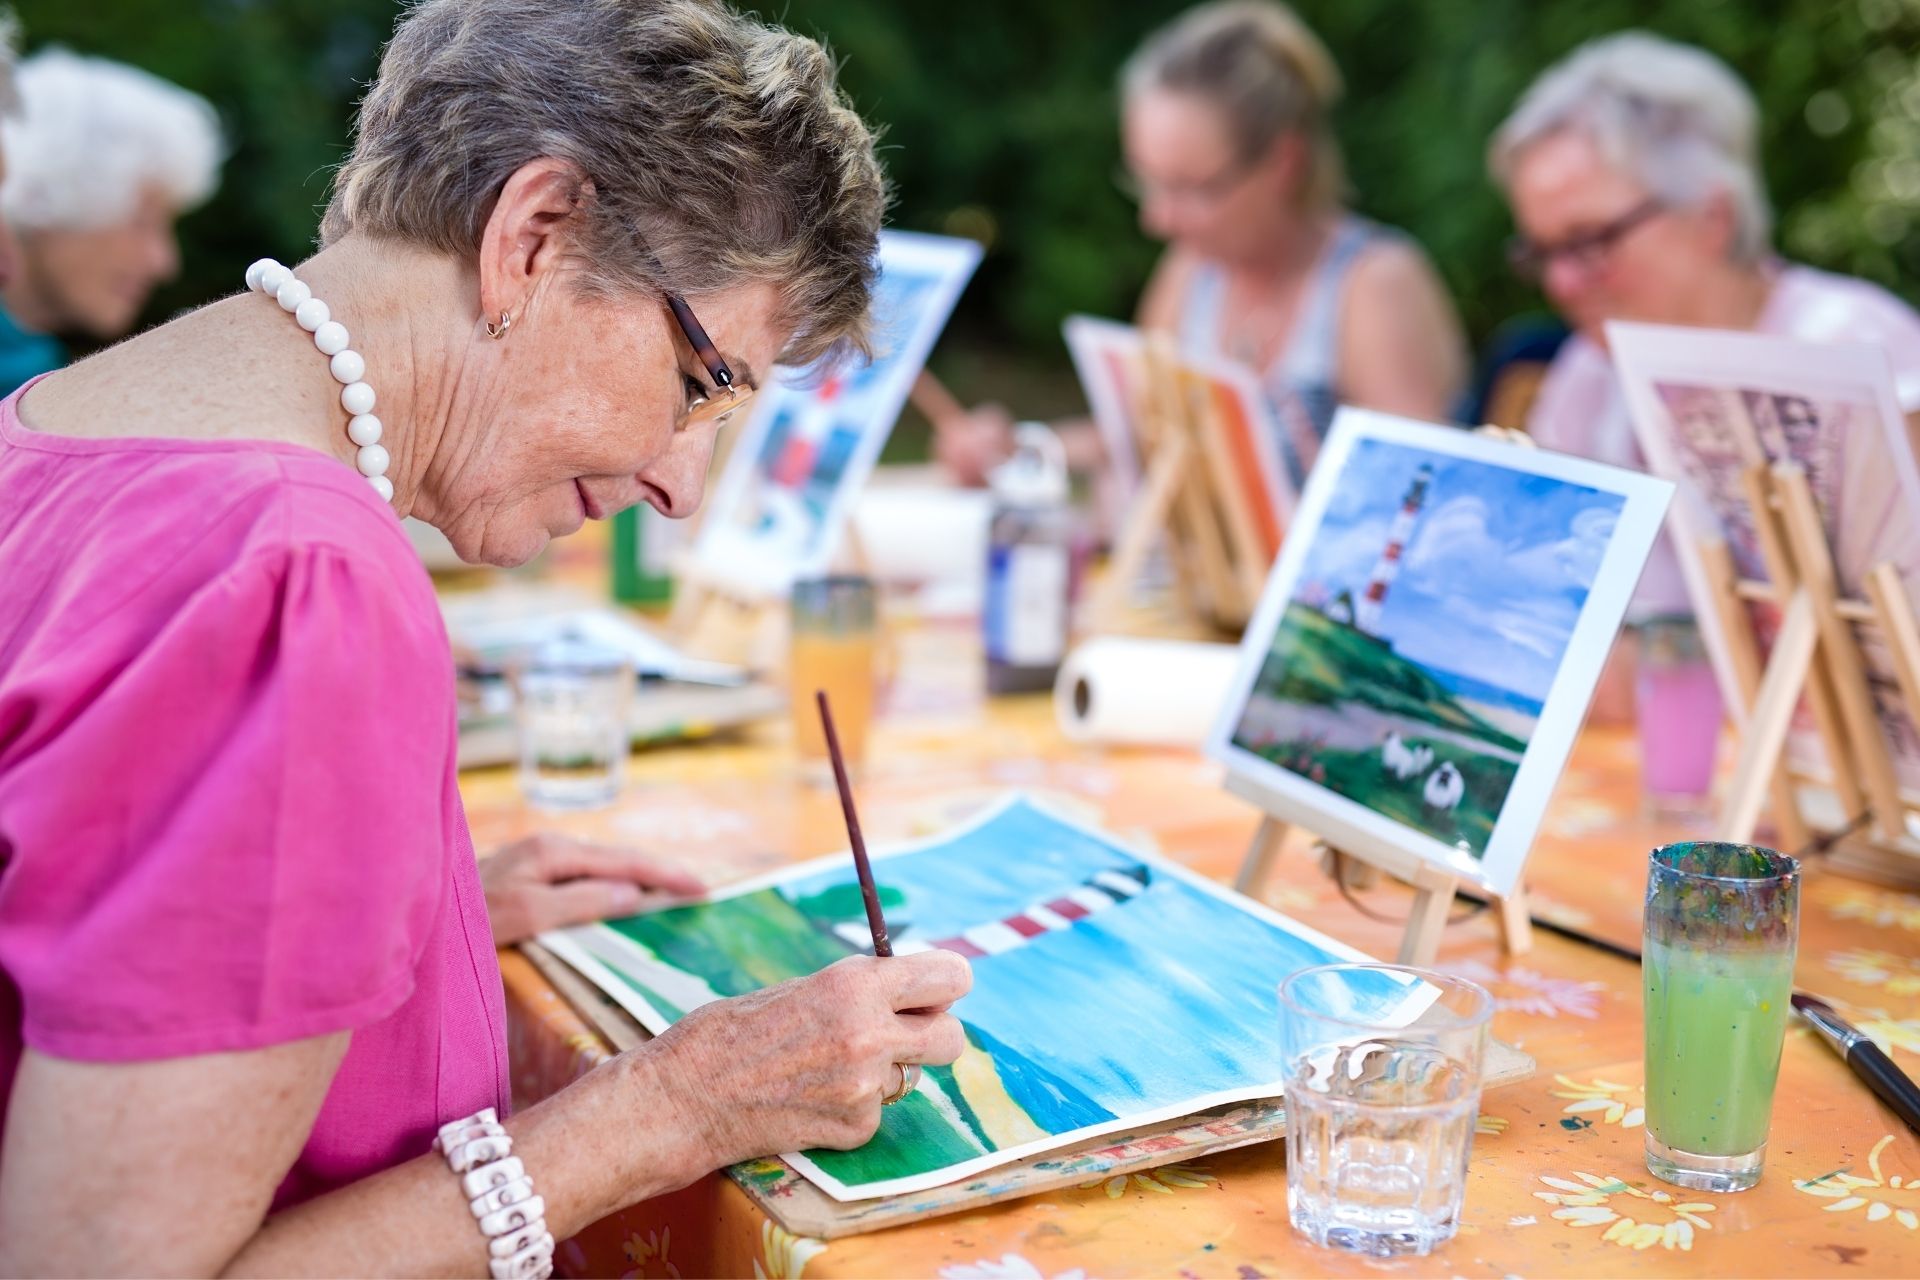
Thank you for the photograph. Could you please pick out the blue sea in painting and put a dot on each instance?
(1165, 996)
(1480, 691)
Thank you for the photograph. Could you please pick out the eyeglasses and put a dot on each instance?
(1588, 250)
(728, 395)
(1205, 191)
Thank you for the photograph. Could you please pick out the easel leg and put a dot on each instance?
(1261, 855)
(1147, 520)
(1516, 925)
(1744, 654)
(1766, 736)
(1421, 942)
(690, 600)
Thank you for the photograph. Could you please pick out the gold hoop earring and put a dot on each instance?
(498, 329)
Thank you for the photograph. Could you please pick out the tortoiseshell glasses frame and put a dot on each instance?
(730, 395)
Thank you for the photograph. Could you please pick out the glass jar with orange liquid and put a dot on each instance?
(835, 647)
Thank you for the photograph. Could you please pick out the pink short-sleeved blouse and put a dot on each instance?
(228, 811)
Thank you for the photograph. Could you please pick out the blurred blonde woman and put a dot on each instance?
(103, 158)
(1229, 147)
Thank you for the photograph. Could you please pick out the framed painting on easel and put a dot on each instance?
(1797, 529)
(779, 512)
(1212, 488)
(1426, 646)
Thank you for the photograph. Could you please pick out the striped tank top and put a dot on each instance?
(1303, 380)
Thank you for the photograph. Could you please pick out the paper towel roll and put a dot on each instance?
(1143, 692)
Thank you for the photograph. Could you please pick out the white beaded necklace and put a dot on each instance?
(330, 336)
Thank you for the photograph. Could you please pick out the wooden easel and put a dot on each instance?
(717, 621)
(1190, 497)
(1815, 655)
(1433, 888)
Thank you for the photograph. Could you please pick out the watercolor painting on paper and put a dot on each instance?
(1112, 988)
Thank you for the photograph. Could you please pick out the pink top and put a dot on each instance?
(1581, 410)
(228, 812)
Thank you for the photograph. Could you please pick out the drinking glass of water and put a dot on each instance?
(1382, 1071)
(573, 701)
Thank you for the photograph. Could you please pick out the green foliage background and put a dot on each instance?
(999, 123)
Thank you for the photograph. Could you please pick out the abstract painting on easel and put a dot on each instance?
(1707, 406)
(1112, 988)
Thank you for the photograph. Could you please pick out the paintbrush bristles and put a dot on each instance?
(868, 892)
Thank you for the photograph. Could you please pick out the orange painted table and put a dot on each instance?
(1557, 1184)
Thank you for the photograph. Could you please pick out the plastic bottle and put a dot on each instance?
(1029, 584)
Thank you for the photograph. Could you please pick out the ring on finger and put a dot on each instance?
(909, 1081)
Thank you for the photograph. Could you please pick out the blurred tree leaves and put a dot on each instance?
(999, 123)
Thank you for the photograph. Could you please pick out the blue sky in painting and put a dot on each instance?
(1495, 575)
(1165, 997)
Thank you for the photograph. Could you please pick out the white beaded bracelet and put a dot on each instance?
(500, 1194)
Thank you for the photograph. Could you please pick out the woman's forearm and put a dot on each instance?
(616, 1136)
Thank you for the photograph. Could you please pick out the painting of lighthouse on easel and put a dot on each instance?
(1429, 640)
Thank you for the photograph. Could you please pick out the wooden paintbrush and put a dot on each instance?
(882, 946)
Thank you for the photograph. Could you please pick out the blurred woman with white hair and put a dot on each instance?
(1633, 173)
(101, 159)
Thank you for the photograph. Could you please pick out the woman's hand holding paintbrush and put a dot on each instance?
(810, 1062)
(909, 1069)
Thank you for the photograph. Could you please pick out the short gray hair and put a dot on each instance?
(90, 135)
(713, 150)
(1268, 74)
(1674, 117)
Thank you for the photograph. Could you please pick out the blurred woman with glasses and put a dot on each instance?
(1229, 149)
(1635, 183)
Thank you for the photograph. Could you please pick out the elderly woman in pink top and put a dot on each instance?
(250, 1018)
(1635, 184)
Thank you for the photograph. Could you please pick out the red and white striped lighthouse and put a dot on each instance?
(1366, 612)
(1099, 891)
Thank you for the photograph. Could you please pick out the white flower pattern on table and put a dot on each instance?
(783, 1255)
(1010, 1266)
(652, 1247)
(1575, 818)
(1517, 989)
(1887, 1031)
(1486, 1126)
(1621, 1104)
(1878, 907)
(1899, 975)
(1884, 1197)
(1655, 1217)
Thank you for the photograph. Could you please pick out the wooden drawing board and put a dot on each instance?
(805, 1210)
(1193, 499)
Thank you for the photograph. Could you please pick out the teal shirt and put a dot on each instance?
(24, 355)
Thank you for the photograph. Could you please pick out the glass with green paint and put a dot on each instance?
(1722, 925)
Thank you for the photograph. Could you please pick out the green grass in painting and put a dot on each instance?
(1358, 775)
(915, 1138)
(1317, 661)
(739, 945)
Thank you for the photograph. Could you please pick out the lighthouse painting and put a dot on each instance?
(1440, 611)
(1367, 611)
(1111, 988)
(814, 434)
